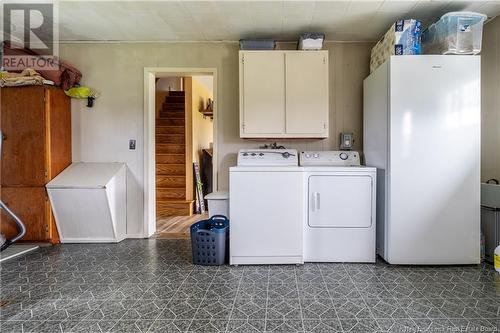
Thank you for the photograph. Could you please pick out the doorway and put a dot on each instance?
(180, 156)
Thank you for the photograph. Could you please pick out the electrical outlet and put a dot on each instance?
(131, 144)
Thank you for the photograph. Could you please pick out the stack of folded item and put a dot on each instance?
(403, 38)
(65, 75)
(28, 77)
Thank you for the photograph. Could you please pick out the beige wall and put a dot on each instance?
(490, 99)
(203, 129)
(117, 70)
(169, 83)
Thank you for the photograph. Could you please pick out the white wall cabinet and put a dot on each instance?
(284, 94)
(263, 89)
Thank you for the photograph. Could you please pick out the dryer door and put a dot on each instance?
(340, 201)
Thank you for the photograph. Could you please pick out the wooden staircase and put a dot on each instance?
(171, 168)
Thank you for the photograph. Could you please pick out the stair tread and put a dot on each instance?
(177, 189)
(173, 134)
(170, 154)
(171, 164)
(176, 117)
(171, 176)
(165, 144)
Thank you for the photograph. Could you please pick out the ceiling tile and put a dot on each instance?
(490, 8)
(232, 20)
(399, 7)
(363, 7)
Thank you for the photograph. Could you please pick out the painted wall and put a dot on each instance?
(203, 129)
(169, 83)
(490, 101)
(117, 70)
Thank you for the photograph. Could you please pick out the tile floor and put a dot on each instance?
(150, 286)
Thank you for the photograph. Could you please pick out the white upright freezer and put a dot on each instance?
(89, 202)
(422, 131)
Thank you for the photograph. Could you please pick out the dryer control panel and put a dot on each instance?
(329, 158)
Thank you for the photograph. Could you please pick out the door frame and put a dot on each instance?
(150, 73)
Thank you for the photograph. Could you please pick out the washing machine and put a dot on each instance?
(266, 191)
(341, 203)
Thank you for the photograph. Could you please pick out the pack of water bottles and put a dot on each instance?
(403, 38)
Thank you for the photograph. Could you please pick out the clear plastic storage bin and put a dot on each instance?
(455, 33)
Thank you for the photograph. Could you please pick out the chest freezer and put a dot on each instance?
(89, 202)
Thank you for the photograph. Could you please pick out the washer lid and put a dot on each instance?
(86, 175)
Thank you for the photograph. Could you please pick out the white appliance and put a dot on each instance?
(266, 207)
(341, 201)
(422, 131)
(218, 203)
(89, 202)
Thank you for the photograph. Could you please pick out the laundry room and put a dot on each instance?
(250, 166)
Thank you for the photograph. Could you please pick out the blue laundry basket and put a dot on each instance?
(210, 240)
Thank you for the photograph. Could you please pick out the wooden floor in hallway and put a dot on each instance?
(176, 227)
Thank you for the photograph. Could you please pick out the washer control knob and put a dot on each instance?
(253, 154)
(308, 155)
(343, 156)
(261, 154)
(316, 155)
(245, 154)
(286, 154)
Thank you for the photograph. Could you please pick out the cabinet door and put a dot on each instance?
(307, 93)
(31, 205)
(59, 131)
(262, 95)
(23, 126)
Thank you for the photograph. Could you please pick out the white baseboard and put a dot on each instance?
(136, 236)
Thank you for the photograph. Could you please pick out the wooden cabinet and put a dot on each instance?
(32, 206)
(36, 146)
(24, 137)
(284, 94)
